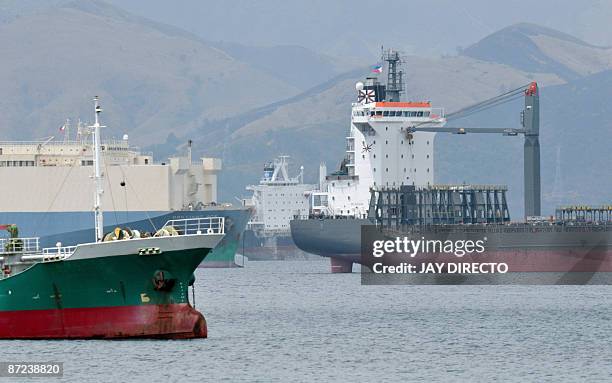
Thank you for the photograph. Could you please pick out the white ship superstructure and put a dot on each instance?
(380, 149)
(132, 181)
(277, 199)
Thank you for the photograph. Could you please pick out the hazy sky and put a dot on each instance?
(343, 27)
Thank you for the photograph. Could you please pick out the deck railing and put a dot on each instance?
(19, 245)
(64, 251)
(191, 226)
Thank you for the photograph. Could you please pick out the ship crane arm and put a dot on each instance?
(460, 130)
(531, 130)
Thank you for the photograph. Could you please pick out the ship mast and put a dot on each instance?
(99, 224)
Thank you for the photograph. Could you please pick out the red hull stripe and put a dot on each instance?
(145, 321)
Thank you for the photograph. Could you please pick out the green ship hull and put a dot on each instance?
(121, 289)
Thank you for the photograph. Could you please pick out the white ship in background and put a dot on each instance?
(276, 200)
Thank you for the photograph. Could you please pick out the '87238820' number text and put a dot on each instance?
(11, 369)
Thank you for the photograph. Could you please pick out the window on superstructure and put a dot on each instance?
(420, 113)
(379, 113)
(426, 114)
(406, 113)
(413, 114)
(386, 113)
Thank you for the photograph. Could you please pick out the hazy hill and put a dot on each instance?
(153, 79)
(532, 48)
(295, 65)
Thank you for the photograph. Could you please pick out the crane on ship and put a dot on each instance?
(530, 121)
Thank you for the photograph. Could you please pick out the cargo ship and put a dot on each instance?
(124, 284)
(275, 201)
(139, 193)
(387, 179)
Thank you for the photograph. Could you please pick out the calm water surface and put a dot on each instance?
(293, 321)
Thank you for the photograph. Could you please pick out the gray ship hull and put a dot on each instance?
(337, 239)
(584, 247)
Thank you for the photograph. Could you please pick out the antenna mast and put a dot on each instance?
(395, 82)
(99, 224)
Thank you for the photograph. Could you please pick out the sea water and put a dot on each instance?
(294, 321)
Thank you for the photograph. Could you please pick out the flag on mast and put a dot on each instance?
(378, 68)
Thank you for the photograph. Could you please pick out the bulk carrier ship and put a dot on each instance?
(387, 179)
(46, 185)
